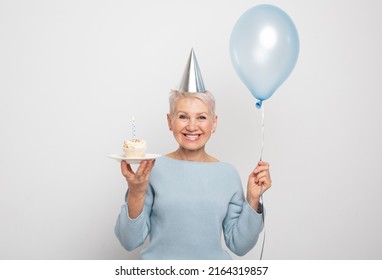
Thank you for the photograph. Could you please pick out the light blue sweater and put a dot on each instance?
(187, 206)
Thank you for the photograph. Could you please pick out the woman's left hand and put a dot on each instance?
(258, 182)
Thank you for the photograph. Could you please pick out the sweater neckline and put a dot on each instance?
(190, 161)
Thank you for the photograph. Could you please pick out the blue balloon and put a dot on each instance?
(264, 47)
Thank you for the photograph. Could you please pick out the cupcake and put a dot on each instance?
(135, 148)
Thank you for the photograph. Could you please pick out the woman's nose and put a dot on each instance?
(192, 125)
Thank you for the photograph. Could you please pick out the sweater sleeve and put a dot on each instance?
(242, 225)
(132, 233)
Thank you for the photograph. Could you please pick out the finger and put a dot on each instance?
(146, 168)
(126, 169)
(253, 178)
(265, 182)
(263, 174)
(149, 167)
(129, 169)
(263, 163)
(259, 169)
(141, 168)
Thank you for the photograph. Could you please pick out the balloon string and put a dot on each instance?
(261, 191)
(263, 215)
(262, 131)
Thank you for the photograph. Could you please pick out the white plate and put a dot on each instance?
(134, 160)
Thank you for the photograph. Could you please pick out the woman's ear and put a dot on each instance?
(169, 122)
(215, 124)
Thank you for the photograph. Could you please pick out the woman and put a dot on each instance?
(189, 198)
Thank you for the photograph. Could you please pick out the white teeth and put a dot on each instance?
(192, 137)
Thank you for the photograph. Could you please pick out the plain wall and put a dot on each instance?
(74, 73)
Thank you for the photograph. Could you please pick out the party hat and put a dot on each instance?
(192, 80)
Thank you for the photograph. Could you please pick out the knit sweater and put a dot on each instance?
(187, 207)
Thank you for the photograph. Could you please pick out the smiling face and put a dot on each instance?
(192, 124)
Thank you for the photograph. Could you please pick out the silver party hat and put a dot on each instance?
(192, 80)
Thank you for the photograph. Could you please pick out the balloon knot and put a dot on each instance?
(258, 104)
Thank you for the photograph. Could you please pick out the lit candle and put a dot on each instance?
(133, 128)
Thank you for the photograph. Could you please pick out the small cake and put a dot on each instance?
(135, 148)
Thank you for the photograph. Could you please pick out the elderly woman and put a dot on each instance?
(186, 199)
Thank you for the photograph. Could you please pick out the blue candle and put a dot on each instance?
(134, 128)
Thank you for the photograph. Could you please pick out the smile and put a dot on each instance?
(192, 137)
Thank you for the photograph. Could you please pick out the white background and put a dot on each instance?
(73, 73)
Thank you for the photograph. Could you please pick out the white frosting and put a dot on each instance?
(134, 144)
(134, 148)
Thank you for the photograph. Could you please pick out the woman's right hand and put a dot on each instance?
(137, 182)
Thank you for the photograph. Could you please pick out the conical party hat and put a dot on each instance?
(192, 80)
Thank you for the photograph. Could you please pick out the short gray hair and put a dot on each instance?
(206, 97)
